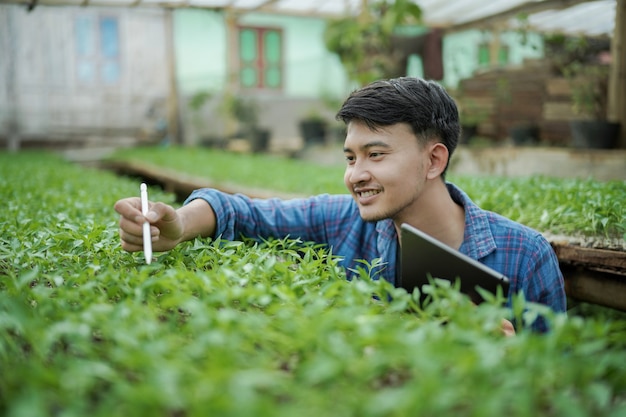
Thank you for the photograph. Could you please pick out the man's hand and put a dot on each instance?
(166, 227)
(507, 328)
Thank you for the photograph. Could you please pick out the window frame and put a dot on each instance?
(96, 55)
(260, 64)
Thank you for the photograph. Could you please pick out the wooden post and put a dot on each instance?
(494, 45)
(364, 16)
(617, 78)
(173, 112)
(13, 125)
(232, 51)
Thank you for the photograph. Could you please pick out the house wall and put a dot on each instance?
(41, 96)
(202, 55)
(200, 45)
(310, 72)
(460, 52)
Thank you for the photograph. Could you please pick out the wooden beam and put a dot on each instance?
(591, 257)
(524, 8)
(595, 287)
(617, 78)
(232, 50)
(173, 113)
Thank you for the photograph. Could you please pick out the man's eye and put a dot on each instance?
(349, 158)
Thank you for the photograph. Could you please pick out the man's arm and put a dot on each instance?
(169, 227)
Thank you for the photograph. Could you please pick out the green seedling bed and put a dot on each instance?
(248, 328)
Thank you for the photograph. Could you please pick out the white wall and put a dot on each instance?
(40, 87)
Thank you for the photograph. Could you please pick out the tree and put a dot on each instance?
(365, 44)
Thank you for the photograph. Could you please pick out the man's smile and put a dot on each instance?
(365, 194)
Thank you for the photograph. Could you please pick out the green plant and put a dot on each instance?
(570, 206)
(199, 99)
(249, 328)
(470, 113)
(245, 110)
(589, 86)
(576, 58)
(313, 115)
(364, 43)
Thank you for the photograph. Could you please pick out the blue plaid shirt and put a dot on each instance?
(520, 253)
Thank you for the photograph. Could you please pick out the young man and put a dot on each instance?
(400, 136)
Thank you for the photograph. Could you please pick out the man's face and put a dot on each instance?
(385, 170)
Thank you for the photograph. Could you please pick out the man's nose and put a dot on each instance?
(359, 173)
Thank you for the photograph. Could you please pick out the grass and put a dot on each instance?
(253, 170)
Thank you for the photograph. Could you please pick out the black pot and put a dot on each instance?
(313, 131)
(467, 133)
(524, 134)
(260, 140)
(594, 134)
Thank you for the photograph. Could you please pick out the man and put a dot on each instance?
(400, 136)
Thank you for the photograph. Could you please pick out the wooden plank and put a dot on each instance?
(557, 110)
(183, 185)
(600, 258)
(595, 287)
(558, 87)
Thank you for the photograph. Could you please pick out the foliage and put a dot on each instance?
(470, 113)
(259, 171)
(364, 43)
(199, 99)
(590, 86)
(567, 206)
(576, 58)
(255, 328)
(245, 110)
(570, 206)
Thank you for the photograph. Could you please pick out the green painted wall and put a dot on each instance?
(460, 52)
(200, 43)
(309, 69)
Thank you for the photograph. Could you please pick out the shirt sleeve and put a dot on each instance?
(319, 218)
(545, 284)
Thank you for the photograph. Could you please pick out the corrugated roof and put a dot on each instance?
(569, 16)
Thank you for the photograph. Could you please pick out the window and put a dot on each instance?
(484, 54)
(260, 58)
(97, 50)
(503, 54)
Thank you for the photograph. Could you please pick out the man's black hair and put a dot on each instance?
(424, 105)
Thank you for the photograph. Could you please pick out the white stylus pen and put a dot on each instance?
(147, 239)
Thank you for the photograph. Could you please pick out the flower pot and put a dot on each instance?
(594, 134)
(260, 140)
(467, 132)
(524, 135)
(313, 131)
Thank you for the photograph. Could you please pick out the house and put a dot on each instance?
(75, 75)
(118, 75)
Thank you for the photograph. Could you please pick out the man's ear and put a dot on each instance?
(439, 155)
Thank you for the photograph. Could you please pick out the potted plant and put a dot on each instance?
(471, 116)
(313, 128)
(578, 59)
(245, 111)
(524, 133)
(589, 88)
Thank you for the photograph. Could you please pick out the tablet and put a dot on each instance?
(423, 257)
